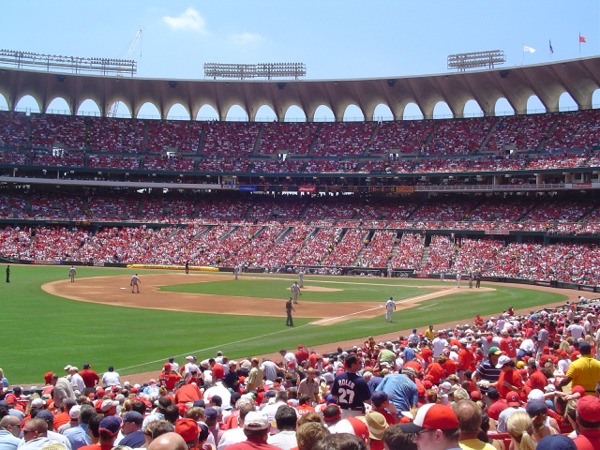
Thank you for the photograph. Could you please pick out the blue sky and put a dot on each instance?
(335, 39)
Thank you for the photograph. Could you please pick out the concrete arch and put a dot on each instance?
(59, 105)
(206, 112)
(87, 103)
(177, 111)
(579, 77)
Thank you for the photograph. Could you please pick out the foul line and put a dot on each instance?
(158, 361)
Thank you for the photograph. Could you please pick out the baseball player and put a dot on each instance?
(72, 273)
(295, 288)
(390, 307)
(135, 283)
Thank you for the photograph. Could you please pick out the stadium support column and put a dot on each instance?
(539, 179)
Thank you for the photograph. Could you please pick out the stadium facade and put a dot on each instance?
(514, 197)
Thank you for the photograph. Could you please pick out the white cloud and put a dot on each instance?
(190, 19)
(246, 38)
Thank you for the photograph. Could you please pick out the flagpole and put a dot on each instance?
(579, 41)
(523, 55)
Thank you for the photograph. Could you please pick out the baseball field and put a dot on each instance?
(48, 322)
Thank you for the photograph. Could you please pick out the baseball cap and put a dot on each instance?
(133, 416)
(187, 428)
(536, 407)
(512, 399)
(475, 395)
(167, 366)
(355, 426)
(37, 403)
(493, 393)
(111, 425)
(211, 413)
(107, 404)
(535, 394)
(578, 390)
(588, 408)
(503, 360)
(376, 423)
(45, 414)
(74, 412)
(256, 420)
(199, 403)
(446, 386)
(556, 442)
(494, 351)
(432, 416)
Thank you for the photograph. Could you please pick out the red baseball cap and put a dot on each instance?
(578, 390)
(432, 416)
(187, 428)
(353, 426)
(588, 408)
(475, 395)
(512, 399)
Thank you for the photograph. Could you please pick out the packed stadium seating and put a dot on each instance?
(425, 234)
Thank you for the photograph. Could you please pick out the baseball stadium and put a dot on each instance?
(452, 217)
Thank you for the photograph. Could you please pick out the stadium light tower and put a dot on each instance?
(263, 70)
(132, 45)
(473, 60)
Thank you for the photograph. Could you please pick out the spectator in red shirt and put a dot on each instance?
(301, 354)
(508, 345)
(498, 404)
(90, 377)
(435, 371)
(465, 357)
(509, 379)
(536, 379)
(383, 406)
(168, 377)
(588, 423)
(217, 369)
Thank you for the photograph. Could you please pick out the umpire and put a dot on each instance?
(289, 308)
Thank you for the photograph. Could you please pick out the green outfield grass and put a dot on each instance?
(42, 332)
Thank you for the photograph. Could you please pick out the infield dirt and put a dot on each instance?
(115, 290)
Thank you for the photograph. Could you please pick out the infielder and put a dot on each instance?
(390, 307)
(72, 273)
(295, 288)
(135, 283)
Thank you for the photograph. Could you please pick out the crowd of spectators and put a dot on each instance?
(268, 232)
(271, 245)
(528, 142)
(520, 379)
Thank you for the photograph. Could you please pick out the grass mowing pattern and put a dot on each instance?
(43, 333)
(346, 290)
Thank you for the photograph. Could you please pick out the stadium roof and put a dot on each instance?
(579, 78)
